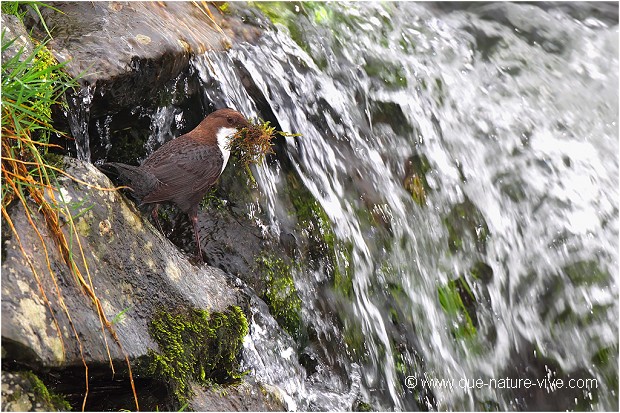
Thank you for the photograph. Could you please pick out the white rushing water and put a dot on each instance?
(515, 108)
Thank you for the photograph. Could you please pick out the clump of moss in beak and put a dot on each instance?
(252, 143)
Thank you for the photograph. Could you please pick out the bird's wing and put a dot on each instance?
(188, 171)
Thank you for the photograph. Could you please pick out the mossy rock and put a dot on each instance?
(408, 363)
(195, 346)
(465, 221)
(25, 391)
(481, 271)
(459, 303)
(361, 406)
(416, 168)
(128, 145)
(280, 294)
(324, 249)
(391, 74)
(390, 113)
(586, 273)
(606, 359)
(355, 339)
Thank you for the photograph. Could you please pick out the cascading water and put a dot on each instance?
(79, 117)
(465, 167)
(514, 111)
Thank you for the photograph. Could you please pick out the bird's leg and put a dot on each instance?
(155, 216)
(193, 216)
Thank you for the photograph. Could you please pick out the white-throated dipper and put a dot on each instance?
(182, 170)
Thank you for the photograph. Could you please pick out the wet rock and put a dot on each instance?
(467, 228)
(123, 51)
(415, 182)
(246, 396)
(132, 269)
(23, 391)
(14, 29)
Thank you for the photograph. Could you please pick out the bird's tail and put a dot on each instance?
(140, 181)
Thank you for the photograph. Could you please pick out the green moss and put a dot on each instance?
(281, 295)
(463, 221)
(355, 339)
(362, 406)
(482, 272)
(129, 143)
(288, 15)
(416, 168)
(606, 359)
(212, 200)
(196, 346)
(324, 247)
(586, 273)
(55, 160)
(458, 301)
(283, 13)
(392, 74)
(42, 393)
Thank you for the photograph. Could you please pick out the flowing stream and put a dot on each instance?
(501, 268)
(515, 110)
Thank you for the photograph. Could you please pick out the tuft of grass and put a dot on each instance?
(458, 300)
(251, 144)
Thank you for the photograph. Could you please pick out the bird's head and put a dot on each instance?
(227, 118)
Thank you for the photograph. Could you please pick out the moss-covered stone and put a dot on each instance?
(416, 168)
(355, 339)
(323, 246)
(481, 271)
(408, 363)
(54, 160)
(606, 359)
(25, 391)
(212, 200)
(458, 301)
(586, 273)
(391, 114)
(391, 74)
(361, 406)
(466, 221)
(196, 346)
(41, 392)
(281, 295)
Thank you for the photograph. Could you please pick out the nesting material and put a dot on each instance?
(251, 144)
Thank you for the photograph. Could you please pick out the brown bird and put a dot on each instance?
(182, 170)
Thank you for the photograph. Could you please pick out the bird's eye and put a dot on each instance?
(230, 120)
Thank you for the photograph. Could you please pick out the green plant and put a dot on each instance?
(281, 295)
(195, 345)
(18, 8)
(454, 298)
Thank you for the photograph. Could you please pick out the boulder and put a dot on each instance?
(123, 51)
(132, 268)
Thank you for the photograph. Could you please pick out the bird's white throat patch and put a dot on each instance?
(223, 140)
